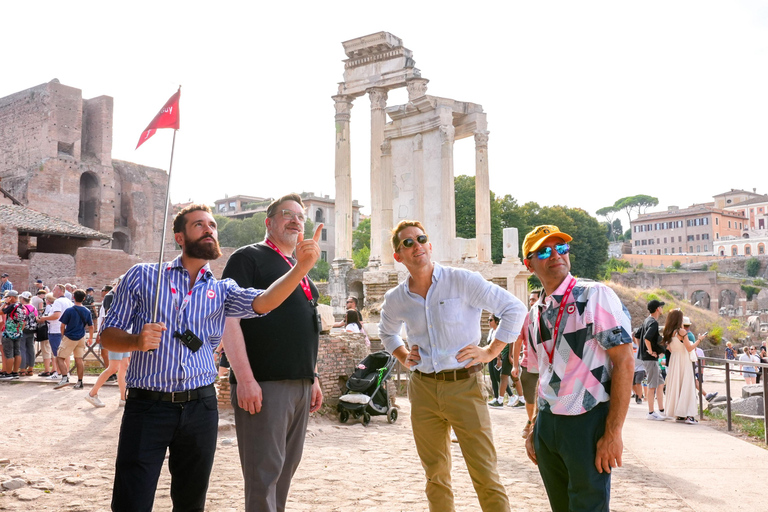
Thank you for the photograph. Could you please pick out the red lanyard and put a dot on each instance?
(551, 353)
(304, 282)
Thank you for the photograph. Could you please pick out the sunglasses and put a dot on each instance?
(408, 242)
(546, 252)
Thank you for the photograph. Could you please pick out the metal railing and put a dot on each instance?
(726, 366)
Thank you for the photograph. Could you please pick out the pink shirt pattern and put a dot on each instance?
(594, 320)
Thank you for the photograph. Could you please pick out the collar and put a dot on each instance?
(557, 295)
(205, 271)
(437, 272)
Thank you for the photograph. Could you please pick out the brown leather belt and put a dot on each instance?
(452, 375)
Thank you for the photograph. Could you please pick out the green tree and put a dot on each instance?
(609, 212)
(361, 256)
(361, 237)
(240, 232)
(464, 195)
(639, 202)
(751, 291)
(753, 267)
(614, 265)
(320, 271)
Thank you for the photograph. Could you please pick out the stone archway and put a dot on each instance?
(701, 299)
(121, 241)
(728, 298)
(90, 198)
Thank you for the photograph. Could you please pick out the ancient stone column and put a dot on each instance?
(387, 214)
(343, 175)
(378, 98)
(448, 201)
(482, 198)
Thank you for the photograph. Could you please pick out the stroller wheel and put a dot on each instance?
(366, 419)
(343, 416)
(392, 415)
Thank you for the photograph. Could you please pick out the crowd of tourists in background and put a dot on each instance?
(57, 324)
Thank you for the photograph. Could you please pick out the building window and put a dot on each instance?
(690, 248)
(680, 239)
(706, 247)
(324, 235)
(761, 249)
(698, 248)
(698, 237)
(734, 251)
(232, 206)
(319, 215)
(717, 221)
(729, 224)
(324, 255)
(747, 250)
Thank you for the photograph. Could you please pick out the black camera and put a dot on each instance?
(189, 339)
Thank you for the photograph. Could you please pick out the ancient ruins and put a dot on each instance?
(68, 211)
(411, 174)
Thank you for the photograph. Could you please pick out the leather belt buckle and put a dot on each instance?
(440, 376)
(183, 396)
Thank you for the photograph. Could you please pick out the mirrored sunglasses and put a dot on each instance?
(408, 242)
(546, 252)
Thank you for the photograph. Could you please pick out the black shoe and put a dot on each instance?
(112, 378)
(79, 385)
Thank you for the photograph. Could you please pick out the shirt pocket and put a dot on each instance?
(450, 311)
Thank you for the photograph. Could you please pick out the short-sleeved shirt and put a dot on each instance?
(594, 320)
(76, 318)
(284, 344)
(201, 309)
(59, 305)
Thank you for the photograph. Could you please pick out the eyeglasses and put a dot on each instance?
(290, 215)
(408, 242)
(546, 252)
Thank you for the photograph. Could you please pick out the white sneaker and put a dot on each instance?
(121, 403)
(94, 400)
(513, 400)
(654, 416)
(64, 382)
(522, 399)
(496, 403)
(54, 376)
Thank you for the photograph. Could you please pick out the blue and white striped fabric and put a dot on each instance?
(173, 367)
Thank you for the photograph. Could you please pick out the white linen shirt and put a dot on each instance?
(449, 318)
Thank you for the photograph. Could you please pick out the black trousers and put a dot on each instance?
(149, 429)
(565, 449)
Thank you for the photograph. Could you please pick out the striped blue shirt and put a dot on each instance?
(173, 367)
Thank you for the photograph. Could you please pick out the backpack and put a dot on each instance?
(14, 326)
(30, 324)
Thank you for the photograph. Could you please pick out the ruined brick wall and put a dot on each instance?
(51, 268)
(24, 138)
(337, 357)
(140, 204)
(96, 266)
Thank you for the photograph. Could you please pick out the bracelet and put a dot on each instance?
(316, 375)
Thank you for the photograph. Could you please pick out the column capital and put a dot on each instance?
(378, 96)
(481, 139)
(417, 87)
(343, 105)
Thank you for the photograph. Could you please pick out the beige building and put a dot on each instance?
(692, 230)
(240, 206)
(753, 206)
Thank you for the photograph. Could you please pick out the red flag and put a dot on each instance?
(168, 117)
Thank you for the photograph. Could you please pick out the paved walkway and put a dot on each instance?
(667, 466)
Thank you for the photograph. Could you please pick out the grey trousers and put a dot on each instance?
(271, 442)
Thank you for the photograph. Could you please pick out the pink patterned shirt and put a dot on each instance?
(594, 320)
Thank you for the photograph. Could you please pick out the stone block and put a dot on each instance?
(752, 406)
(752, 390)
(14, 483)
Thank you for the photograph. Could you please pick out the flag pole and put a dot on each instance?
(165, 226)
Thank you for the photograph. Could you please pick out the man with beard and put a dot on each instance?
(171, 401)
(274, 394)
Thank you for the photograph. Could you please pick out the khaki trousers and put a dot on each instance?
(436, 406)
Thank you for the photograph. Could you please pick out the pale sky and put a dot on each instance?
(587, 101)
